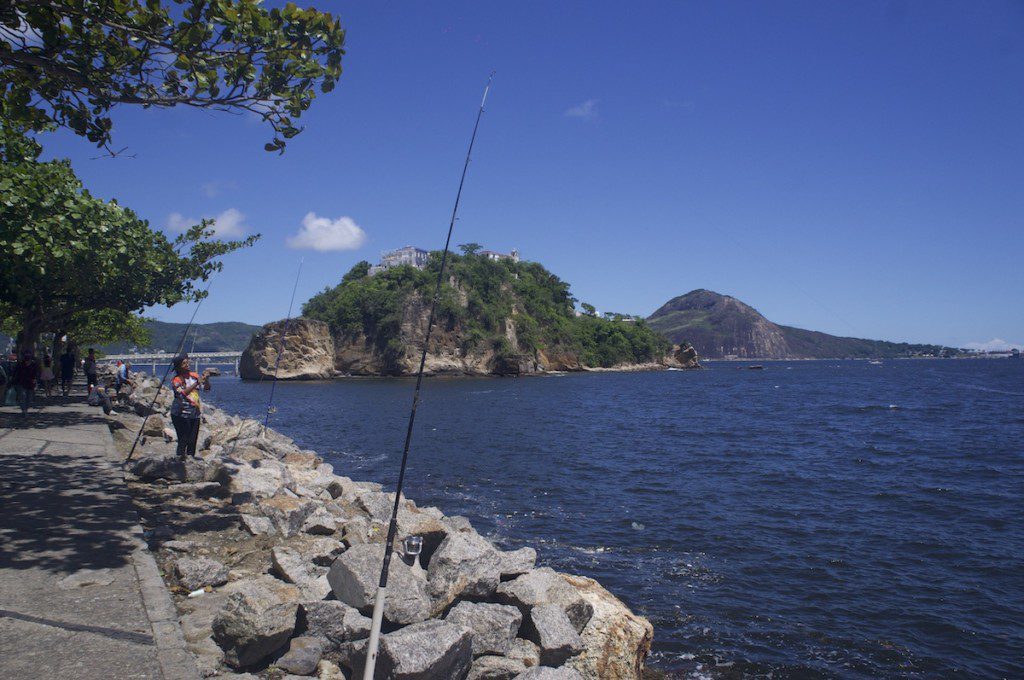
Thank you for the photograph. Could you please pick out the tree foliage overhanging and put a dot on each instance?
(485, 294)
(69, 62)
(69, 256)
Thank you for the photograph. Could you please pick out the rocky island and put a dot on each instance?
(495, 317)
(273, 559)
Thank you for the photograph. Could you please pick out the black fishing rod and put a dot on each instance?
(281, 346)
(181, 346)
(378, 604)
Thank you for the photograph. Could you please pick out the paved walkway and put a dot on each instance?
(80, 595)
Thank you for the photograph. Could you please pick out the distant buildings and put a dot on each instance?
(409, 255)
(495, 256)
(417, 257)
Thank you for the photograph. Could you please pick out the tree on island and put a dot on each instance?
(69, 62)
(470, 248)
(74, 261)
(588, 309)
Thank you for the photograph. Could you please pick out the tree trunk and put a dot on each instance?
(28, 336)
(55, 352)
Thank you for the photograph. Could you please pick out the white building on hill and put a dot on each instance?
(409, 255)
(493, 255)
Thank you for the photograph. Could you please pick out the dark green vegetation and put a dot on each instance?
(815, 344)
(69, 62)
(719, 326)
(225, 336)
(474, 312)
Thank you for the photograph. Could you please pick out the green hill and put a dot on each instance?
(223, 336)
(494, 316)
(721, 326)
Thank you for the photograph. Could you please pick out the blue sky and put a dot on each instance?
(853, 167)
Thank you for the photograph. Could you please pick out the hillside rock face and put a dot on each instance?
(720, 326)
(308, 351)
(357, 355)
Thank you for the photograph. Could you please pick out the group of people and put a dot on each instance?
(24, 374)
(20, 377)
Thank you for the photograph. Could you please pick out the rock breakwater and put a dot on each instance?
(273, 559)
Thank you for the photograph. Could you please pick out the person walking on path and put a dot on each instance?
(67, 371)
(9, 397)
(25, 376)
(121, 377)
(89, 366)
(186, 408)
(46, 377)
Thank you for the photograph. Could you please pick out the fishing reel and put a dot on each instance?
(411, 548)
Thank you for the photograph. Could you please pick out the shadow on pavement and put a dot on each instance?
(62, 513)
(52, 413)
(112, 633)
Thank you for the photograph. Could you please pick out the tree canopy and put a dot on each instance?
(67, 252)
(477, 299)
(69, 62)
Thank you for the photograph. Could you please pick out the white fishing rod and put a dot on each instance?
(281, 347)
(382, 586)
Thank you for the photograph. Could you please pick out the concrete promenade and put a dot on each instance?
(80, 594)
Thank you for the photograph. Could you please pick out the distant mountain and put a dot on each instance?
(224, 336)
(720, 326)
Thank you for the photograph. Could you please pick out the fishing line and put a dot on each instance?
(281, 346)
(378, 605)
(181, 345)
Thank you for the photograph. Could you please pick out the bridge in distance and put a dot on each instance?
(163, 358)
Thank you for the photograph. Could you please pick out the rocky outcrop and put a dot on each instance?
(682, 356)
(311, 353)
(257, 620)
(615, 640)
(308, 351)
(274, 561)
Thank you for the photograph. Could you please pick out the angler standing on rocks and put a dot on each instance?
(185, 411)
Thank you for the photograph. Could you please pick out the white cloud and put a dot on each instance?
(323, 234)
(229, 223)
(178, 222)
(217, 187)
(993, 345)
(587, 110)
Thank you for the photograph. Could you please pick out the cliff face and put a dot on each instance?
(356, 354)
(719, 325)
(308, 351)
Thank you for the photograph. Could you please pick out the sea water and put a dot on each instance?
(825, 518)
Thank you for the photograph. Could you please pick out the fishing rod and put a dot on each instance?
(378, 603)
(281, 346)
(181, 345)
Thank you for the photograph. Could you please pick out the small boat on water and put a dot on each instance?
(875, 363)
(755, 367)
